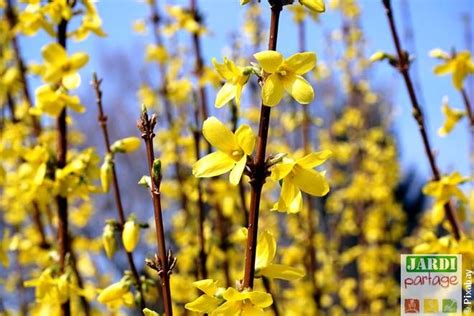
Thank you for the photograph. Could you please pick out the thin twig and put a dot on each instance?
(61, 201)
(403, 66)
(163, 262)
(102, 118)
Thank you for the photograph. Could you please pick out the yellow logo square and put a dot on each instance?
(430, 305)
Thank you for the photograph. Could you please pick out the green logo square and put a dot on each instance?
(449, 306)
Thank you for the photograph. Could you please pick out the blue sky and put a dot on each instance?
(436, 23)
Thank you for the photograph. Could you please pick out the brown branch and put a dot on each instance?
(199, 68)
(260, 170)
(403, 66)
(163, 263)
(61, 201)
(155, 19)
(102, 118)
(199, 63)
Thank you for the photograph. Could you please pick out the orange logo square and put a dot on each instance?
(412, 305)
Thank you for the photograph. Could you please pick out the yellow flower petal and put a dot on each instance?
(299, 89)
(225, 94)
(266, 250)
(212, 165)
(437, 214)
(208, 286)
(444, 69)
(272, 91)
(223, 70)
(280, 271)
(260, 299)
(236, 173)
(71, 81)
(203, 304)
(314, 159)
(281, 170)
(219, 135)
(301, 63)
(459, 75)
(291, 199)
(246, 138)
(270, 60)
(78, 60)
(54, 53)
(311, 182)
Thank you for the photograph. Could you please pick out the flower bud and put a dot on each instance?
(156, 172)
(438, 53)
(108, 239)
(315, 5)
(106, 173)
(125, 145)
(130, 235)
(113, 292)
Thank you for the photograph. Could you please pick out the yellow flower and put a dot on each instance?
(116, 294)
(298, 175)
(211, 298)
(91, 22)
(452, 116)
(286, 74)
(147, 96)
(125, 145)
(243, 303)
(184, 20)
(32, 19)
(52, 102)
(460, 66)
(130, 235)
(445, 188)
(315, 5)
(52, 289)
(266, 251)
(156, 53)
(231, 154)
(58, 10)
(61, 68)
(235, 76)
(178, 91)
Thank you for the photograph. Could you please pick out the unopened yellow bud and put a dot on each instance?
(125, 145)
(130, 235)
(315, 5)
(106, 173)
(378, 56)
(108, 239)
(113, 292)
(438, 53)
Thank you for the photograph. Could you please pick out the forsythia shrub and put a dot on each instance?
(286, 197)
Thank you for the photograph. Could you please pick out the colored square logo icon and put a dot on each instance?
(430, 305)
(412, 305)
(449, 306)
